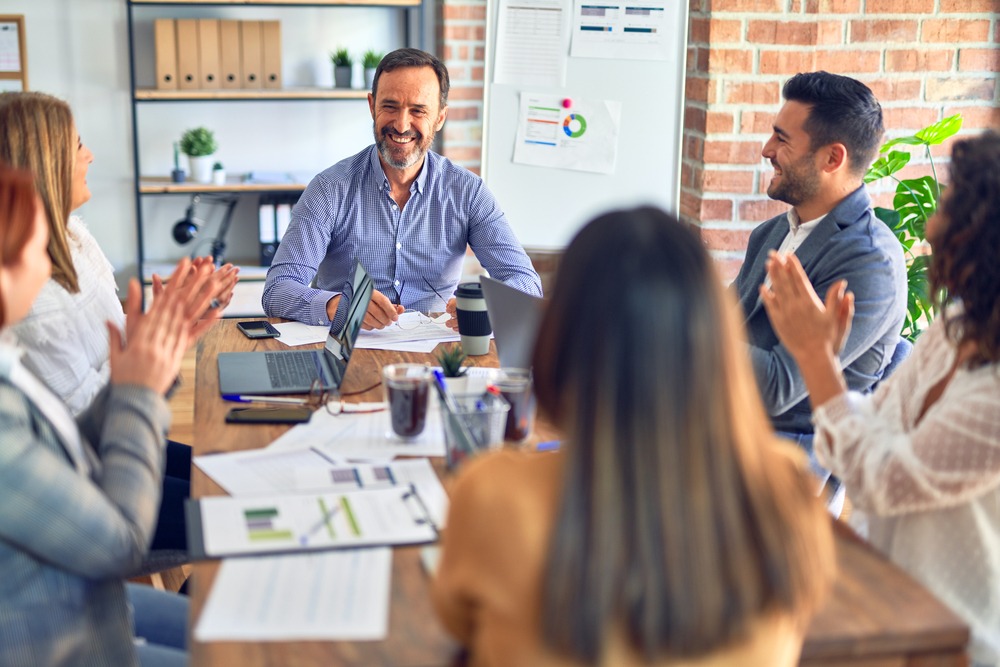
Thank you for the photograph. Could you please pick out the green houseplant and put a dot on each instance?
(199, 145)
(914, 202)
(452, 359)
(343, 66)
(370, 61)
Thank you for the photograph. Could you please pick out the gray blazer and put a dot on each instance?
(66, 540)
(850, 242)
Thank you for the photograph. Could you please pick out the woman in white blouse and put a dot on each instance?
(921, 457)
(64, 337)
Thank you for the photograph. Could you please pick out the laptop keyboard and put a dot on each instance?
(292, 369)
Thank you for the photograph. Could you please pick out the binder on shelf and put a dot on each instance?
(208, 53)
(270, 37)
(282, 218)
(165, 37)
(251, 57)
(267, 230)
(187, 54)
(230, 72)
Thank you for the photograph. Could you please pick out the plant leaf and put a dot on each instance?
(911, 140)
(887, 165)
(916, 199)
(941, 130)
(889, 216)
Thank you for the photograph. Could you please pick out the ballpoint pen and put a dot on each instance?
(247, 398)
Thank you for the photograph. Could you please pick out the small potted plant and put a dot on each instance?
(177, 175)
(370, 61)
(343, 67)
(199, 145)
(452, 359)
(218, 174)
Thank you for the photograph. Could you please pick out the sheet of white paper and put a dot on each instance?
(581, 136)
(616, 30)
(333, 595)
(362, 437)
(409, 328)
(532, 42)
(268, 472)
(296, 333)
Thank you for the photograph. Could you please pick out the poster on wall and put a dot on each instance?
(624, 30)
(532, 43)
(563, 133)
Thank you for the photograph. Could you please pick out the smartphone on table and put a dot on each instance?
(258, 329)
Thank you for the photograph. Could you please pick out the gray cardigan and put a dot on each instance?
(850, 242)
(67, 539)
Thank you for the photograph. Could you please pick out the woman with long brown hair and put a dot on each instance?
(921, 457)
(672, 527)
(64, 337)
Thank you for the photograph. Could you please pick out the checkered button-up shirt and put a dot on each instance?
(347, 213)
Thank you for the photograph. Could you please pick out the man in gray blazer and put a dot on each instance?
(825, 136)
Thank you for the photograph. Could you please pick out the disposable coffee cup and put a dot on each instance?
(473, 320)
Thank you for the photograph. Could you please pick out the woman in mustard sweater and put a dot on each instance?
(672, 527)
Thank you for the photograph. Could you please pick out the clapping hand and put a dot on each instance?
(150, 351)
(227, 277)
(805, 325)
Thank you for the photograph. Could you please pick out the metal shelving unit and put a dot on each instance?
(415, 29)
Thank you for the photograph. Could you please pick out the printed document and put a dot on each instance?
(235, 526)
(333, 595)
(268, 472)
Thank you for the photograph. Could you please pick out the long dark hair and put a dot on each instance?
(678, 524)
(18, 206)
(966, 261)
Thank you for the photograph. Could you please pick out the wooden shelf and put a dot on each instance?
(153, 94)
(150, 185)
(303, 3)
(280, 3)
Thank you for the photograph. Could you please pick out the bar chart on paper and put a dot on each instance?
(232, 526)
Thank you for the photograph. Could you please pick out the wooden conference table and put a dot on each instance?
(877, 616)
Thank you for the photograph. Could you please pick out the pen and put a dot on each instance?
(246, 398)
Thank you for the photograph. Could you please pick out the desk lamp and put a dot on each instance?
(186, 229)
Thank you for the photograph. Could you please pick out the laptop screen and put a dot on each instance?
(340, 345)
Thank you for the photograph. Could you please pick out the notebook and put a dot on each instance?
(515, 317)
(293, 371)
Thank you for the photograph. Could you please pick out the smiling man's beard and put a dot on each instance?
(386, 146)
(799, 182)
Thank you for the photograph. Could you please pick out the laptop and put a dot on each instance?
(515, 317)
(293, 371)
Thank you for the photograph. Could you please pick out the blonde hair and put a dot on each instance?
(39, 136)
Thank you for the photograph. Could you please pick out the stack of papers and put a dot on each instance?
(413, 332)
(291, 497)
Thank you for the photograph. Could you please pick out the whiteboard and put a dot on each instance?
(545, 206)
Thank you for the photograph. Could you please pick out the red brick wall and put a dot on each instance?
(924, 59)
(462, 47)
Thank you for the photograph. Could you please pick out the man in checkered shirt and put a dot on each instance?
(404, 211)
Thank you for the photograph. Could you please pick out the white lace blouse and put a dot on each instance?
(930, 489)
(64, 337)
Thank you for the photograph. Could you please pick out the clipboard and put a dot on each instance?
(13, 53)
(224, 526)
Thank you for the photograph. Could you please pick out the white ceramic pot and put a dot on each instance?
(218, 177)
(369, 77)
(201, 168)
